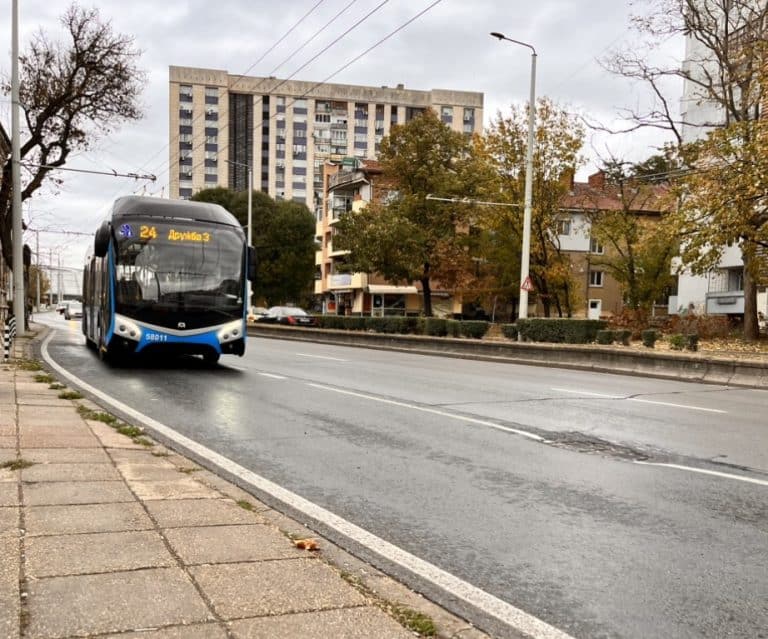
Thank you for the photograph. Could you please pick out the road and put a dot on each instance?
(607, 506)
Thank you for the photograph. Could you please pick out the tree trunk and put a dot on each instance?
(427, 291)
(751, 326)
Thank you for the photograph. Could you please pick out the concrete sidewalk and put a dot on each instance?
(105, 532)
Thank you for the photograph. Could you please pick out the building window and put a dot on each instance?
(185, 93)
(595, 278)
(596, 247)
(211, 155)
(469, 115)
(446, 114)
(563, 227)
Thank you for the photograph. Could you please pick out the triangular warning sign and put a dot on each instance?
(527, 285)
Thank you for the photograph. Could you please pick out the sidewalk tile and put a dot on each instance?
(97, 552)
(182, 488)
(201, 631)
(110, 438)
(9, 494)
(155, 470)
(8, 442)
(79, 492)
(230, 544)
(274, 587)
(7, 454)
(114, 602)
(90, 518)
(9, 521)
(347, 623)
(178, 513)
(70, 472)
(9, 587)
(67, 455)
(8, 476)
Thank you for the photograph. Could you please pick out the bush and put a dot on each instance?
(692, 342)
(624, 336)
(435, 326)
(677, 342)
(509, 331)
(341, 322)
(649, 337)
(705, 326)
(605, 337)
(453, 328)
(569, 331)
(474, 328)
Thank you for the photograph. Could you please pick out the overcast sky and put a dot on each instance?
(448, 47)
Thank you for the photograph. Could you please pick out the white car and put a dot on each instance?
(73, 310)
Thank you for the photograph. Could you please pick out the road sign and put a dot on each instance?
(527, 285)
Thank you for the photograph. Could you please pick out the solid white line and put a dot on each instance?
(639, 400)
(458, 588)
(335, 359)
(751, 480)
(462, 418)
(271, 375)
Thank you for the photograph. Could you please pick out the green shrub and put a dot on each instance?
(453, 328)
(649, 337)
(605, 337)
(692, 342)
(623, 335)
(569, 331)
(435, 326)
(677, 342)
(509, 331)
(474, 328)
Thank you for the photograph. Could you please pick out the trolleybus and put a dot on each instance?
(167, 277)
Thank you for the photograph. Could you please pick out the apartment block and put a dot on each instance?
(222, 125)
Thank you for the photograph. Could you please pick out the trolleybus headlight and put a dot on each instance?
(126, 328)
(230, 332)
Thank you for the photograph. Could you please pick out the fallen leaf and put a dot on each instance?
(306, 544)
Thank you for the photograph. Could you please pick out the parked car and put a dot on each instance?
(255, 312)
(61, 307)
(73, 310)
(288, 315)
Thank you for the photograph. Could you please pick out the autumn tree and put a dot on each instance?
(71, 94)
(725, 81)
(407, 237)
(635, 233)
(283, 234)
(559, 138)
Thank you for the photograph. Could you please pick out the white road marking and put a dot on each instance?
(272, 376)
(335, 359)
(455, 587)
(639, 400)
(433, 411)
(702, 471)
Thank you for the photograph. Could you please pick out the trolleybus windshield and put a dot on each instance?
(173, 267)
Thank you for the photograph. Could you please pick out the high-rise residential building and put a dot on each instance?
(286, 130)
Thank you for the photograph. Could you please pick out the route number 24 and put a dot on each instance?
(147, 232)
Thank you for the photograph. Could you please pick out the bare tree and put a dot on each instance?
(71, 94)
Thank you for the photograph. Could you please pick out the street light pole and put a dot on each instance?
(525, 258)
(249, 232)
(17, 263)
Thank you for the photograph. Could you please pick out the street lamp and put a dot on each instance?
(250, 217)
(525, 258)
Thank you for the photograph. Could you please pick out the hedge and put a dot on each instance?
(568, 331)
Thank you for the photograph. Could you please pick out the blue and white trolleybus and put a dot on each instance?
(167, 276)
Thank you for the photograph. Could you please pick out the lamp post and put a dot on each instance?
(525, 258)
(250, 232)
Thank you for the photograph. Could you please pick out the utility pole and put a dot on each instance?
(18, 240)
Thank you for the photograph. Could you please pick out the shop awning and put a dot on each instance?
(385, 289)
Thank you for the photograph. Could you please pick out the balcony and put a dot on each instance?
(346, 178)
(724, 302)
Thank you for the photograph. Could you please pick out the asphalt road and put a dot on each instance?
(643, 513)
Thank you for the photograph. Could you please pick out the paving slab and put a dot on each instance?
(59, 441)
(9, 522)
(9, 587)
(120, 601)
(29, 399)
(182, 488)
(95, 552)
(179, 513)
(9, 476)
(142, 454)
(67, 455)
(110, 438)
(89, 518)
(150, 470)
(8, 430)
(7, 454)
(9, 494)
(78, 492)
(230, 544)
(199, 631)
(347, 623)
(48, 415)
(274, 587)
(55, 430)
(8, 442)
(70, 472)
